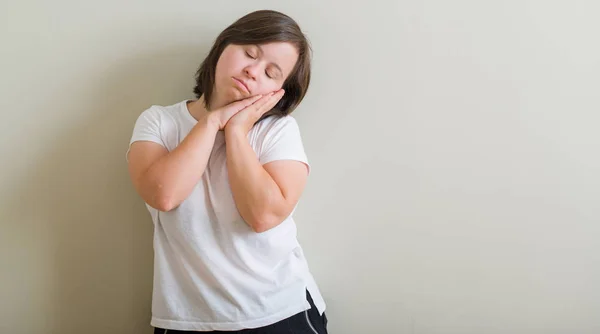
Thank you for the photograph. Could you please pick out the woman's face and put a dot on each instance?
(247, 70)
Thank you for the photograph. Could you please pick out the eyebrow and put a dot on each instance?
(274, 64)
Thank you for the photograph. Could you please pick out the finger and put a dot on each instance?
(274, 98)
(262, 101)
(272, 101)
(241, 104)
(235, 107)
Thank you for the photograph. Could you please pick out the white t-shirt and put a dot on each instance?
(211, 270)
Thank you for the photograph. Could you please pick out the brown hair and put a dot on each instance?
(261, 27)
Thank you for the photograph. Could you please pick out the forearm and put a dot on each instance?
(255, 193)
(173, 176)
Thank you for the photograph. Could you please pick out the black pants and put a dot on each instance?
(305, 322)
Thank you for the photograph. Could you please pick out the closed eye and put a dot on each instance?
(249, 55)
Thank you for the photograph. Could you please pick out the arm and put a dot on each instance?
(264, 195)
(164, 179)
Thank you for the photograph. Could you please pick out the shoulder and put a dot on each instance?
(276, 125)
(159, 116)
(276, 138)
(160, 124)
(159, 111)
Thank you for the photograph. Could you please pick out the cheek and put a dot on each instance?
(268, 87)
(222, 67)
(228, 63)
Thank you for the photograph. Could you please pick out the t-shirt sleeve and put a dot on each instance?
(147, 128)
(283, 142)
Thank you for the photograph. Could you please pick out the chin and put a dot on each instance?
(230, 97)
(235, 98)
(237, 95)
(231, 94)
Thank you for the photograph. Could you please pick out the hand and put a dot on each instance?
(244, 120)
(221, 116)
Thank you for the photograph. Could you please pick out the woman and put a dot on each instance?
(221, 177)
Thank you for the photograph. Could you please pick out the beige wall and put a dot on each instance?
(454, 148)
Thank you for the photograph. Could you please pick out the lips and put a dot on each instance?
(242, 84)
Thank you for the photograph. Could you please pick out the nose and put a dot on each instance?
(252, 71)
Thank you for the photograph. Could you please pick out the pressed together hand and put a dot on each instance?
(241, 115)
